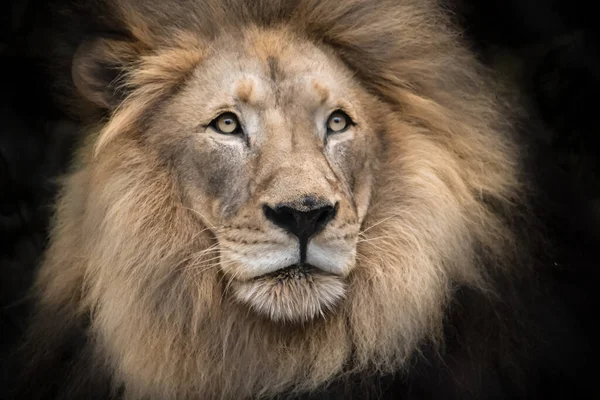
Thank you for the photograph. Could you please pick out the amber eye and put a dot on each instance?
(227, 124)
(338, 122)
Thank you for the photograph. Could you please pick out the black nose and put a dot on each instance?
(303, 220)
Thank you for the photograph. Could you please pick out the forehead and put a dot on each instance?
(263, 68)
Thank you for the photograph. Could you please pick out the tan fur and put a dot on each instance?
(145, 250)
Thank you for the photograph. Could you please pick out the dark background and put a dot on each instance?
(549, 47)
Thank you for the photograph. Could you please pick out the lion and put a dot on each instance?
(283, 198)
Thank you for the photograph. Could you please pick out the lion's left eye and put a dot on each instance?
(338, 122)
(227, 124)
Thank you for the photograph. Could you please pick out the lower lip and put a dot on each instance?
(295, 271)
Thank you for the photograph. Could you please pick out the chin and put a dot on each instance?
(296, 294)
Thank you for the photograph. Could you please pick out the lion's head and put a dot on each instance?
(280, 192)
(278, 164)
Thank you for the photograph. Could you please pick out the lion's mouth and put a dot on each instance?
(293, 272)
(299, 292)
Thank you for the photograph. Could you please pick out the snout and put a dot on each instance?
(304, 278)
(321, 256)
(310, 222)
(311, 233)
(302, 219)
(288, 254)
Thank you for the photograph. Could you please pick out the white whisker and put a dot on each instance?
(377, 223)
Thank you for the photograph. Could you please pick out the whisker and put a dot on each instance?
(199, 233)
(233, 277)
(203, 217)
(202, 253)
(198, 271)
(194, 266)
(374, 238)
(181, 264)
(377, 223)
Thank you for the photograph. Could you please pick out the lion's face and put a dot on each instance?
(273, 144)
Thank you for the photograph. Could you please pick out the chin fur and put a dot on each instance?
(294, 294)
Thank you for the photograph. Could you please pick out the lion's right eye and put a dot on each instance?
(338, 122)
(227, 124)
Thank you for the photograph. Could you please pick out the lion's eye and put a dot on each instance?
(226, 123)
(338, 122)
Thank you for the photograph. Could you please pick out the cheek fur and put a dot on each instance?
(348, 160)
(216, 173)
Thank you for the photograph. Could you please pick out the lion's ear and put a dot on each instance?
(98, 67)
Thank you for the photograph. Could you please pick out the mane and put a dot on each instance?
(127, 253)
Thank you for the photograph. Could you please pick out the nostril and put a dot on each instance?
(327, 213)
(280, 216)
